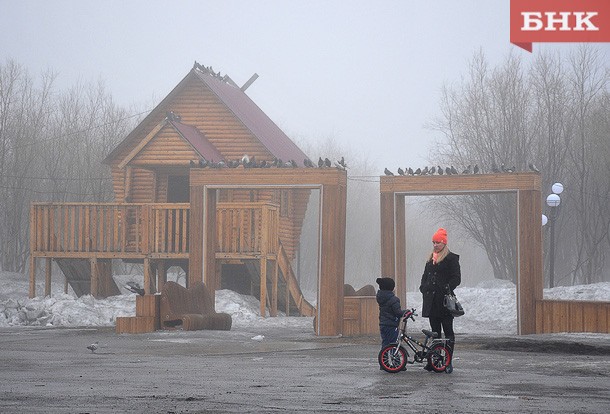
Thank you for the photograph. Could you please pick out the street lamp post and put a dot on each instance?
(553, 201)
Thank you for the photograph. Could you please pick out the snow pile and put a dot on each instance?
(490, 306)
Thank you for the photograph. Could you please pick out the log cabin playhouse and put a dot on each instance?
(176, 195)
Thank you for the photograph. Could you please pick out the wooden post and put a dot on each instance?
(47, 276)
(94, 277)
(209, 243)
(387, 234)
(274, 290)
(332, 263)
(263, 286)
(149, 287)
(161, 274)
(32, 276)
(33, 220)
(263, 261)
(400, 275)
(530, 281)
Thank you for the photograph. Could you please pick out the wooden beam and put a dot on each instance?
(142, 144)
(459, 184)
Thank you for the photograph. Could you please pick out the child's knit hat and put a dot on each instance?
(386, 283)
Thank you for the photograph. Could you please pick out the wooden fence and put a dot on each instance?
(554, 316)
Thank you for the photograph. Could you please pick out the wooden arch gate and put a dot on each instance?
(332, 184)
(394, 189)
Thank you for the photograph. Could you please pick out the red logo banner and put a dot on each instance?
(559, 21)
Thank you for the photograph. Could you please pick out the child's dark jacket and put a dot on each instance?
(389, 308)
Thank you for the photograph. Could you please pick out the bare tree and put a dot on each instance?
(51, 147)
(550, 114)
(24, 115)
(587, 197)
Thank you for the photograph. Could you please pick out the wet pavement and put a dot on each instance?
(51, 371)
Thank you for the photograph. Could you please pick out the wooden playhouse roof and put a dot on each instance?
(262, 128)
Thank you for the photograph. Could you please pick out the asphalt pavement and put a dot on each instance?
(50, 370)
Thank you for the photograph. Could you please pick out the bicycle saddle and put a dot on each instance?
(430, 333)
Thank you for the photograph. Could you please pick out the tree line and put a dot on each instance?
(51, 147)
(549, 111)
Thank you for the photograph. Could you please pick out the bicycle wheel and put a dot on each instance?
(439, 358)
(392, 358)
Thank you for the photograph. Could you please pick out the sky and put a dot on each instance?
(490, 307)
(365, 74)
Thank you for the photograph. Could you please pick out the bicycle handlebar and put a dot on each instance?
(410, 313)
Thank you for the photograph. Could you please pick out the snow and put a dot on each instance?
(490, 306)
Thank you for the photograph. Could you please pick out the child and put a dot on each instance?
(389, 311)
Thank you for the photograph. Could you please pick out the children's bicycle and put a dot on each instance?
(434, 350)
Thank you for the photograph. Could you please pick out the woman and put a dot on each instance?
(441, 275)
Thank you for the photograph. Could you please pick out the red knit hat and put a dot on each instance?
(440, 236)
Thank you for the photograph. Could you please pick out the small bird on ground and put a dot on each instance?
(387, 172)
(533, 168)
(92, 347)
(135, 288)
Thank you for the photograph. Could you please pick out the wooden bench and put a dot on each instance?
(191, 309)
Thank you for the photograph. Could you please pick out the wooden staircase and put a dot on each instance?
(78, 276)
(290, 298)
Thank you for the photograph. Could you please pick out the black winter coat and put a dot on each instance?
(434, 284)
(389, 308)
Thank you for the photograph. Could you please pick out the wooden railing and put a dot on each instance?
(247, 228)
(135, 230)
(71, 229)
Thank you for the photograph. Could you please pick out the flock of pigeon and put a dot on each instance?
(453, 171)
(251, 162)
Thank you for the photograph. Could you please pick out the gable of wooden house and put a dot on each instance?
(205, 118)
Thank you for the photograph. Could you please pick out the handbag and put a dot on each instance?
(452, 304)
